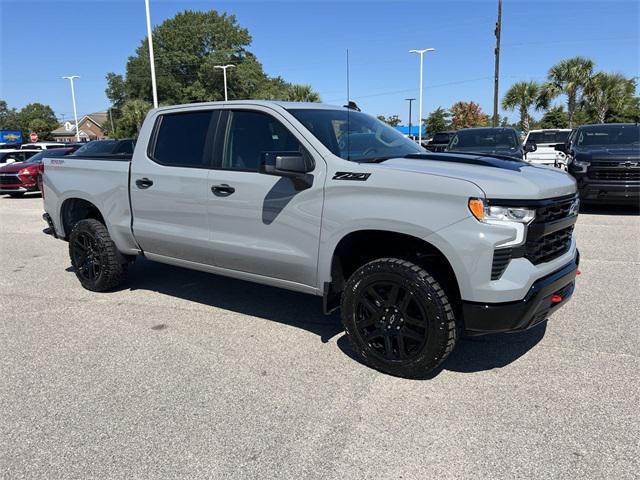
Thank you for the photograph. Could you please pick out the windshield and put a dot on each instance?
(97, 147)
(484, 139)
(551, 137)
(354, 135)
(603, 135)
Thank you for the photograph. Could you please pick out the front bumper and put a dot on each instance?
(534, 308)
(613, 191)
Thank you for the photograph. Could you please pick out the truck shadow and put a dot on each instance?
(305, 311)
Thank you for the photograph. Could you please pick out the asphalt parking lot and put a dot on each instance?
(183, 374)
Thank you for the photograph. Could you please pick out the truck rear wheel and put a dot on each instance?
(398, 318)
(95, 257)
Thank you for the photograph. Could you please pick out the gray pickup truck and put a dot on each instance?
(415, 248)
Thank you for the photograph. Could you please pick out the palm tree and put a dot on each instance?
(522, 96)
(569, 77)
(607, 91)
(301, 93)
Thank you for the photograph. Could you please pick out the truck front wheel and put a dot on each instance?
(95, 257)
(398, 318)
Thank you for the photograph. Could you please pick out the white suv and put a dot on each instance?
(545, 141)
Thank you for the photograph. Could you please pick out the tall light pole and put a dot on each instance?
(496, 77)
(410, 100)
(224, 73)
(421, 52)
(73, 98)
(151, 59)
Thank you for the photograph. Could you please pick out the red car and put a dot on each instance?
(18, 178)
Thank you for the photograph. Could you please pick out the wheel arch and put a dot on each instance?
(74, 209)
(359, 247)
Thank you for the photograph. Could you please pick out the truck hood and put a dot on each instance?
(505, 179)
(619, 153)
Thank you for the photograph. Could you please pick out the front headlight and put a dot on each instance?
(497, 214)
(515, 217)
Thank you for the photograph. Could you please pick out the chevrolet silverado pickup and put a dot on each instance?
(415, 248)
(605, 161)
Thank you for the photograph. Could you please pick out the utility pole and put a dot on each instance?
(497, 72)
(113, 129)
(421, 53)
(154, 87)
(410, 100)
(73, 99)
(224, 73)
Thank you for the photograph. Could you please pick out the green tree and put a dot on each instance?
(393, 120)
(301, 93)
(40, 117)
(437, 121)
(555, 117)
(8, 117)
(133, 114)
(467, 115)
(569, 77)
(522, 96)
(606, 92)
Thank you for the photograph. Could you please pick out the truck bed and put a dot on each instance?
(102, 181)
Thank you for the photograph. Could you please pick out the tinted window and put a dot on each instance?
(38, 157)
(485, 139)
(441, 138)
(250, 134)
(548, 137)
(602, 135)
(181, 139)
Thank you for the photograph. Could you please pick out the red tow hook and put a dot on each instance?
(556, 298)
(578, 272)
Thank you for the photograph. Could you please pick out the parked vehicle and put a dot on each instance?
(440, 141)
(43, 145)
(98, 148)
(16, 155)
(18, 178)
(488, 141)
(414, 247)
(605, 161)
(542, 145)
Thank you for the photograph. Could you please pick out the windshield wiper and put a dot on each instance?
(376, 159)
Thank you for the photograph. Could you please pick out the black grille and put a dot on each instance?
(555, 211)
(501, 259)
(548, 247)
(623, 175)
(9, 180)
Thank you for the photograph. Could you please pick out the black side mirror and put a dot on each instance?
(560, 147)
(530, 147)
(294, 165)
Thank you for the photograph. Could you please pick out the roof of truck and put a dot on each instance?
(268, 103)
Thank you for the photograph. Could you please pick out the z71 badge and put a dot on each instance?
(362, 177)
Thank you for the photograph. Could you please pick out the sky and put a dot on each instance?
(306, 42)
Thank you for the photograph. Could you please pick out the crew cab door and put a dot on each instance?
(264, 224)
(170, 186)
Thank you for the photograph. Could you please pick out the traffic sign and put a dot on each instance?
(33, 136)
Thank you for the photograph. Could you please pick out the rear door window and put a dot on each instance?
(184, 139)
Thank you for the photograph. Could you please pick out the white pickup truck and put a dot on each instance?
(541, 147)
(415, 248)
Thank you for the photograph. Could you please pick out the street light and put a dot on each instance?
(151, 59)
(73, 98)
(421, 52)
(224, 72)
(410, 100)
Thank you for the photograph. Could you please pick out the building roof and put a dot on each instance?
(404, 129)
(99, 118)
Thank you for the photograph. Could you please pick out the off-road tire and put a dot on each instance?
(112, 267)
(425, 297)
